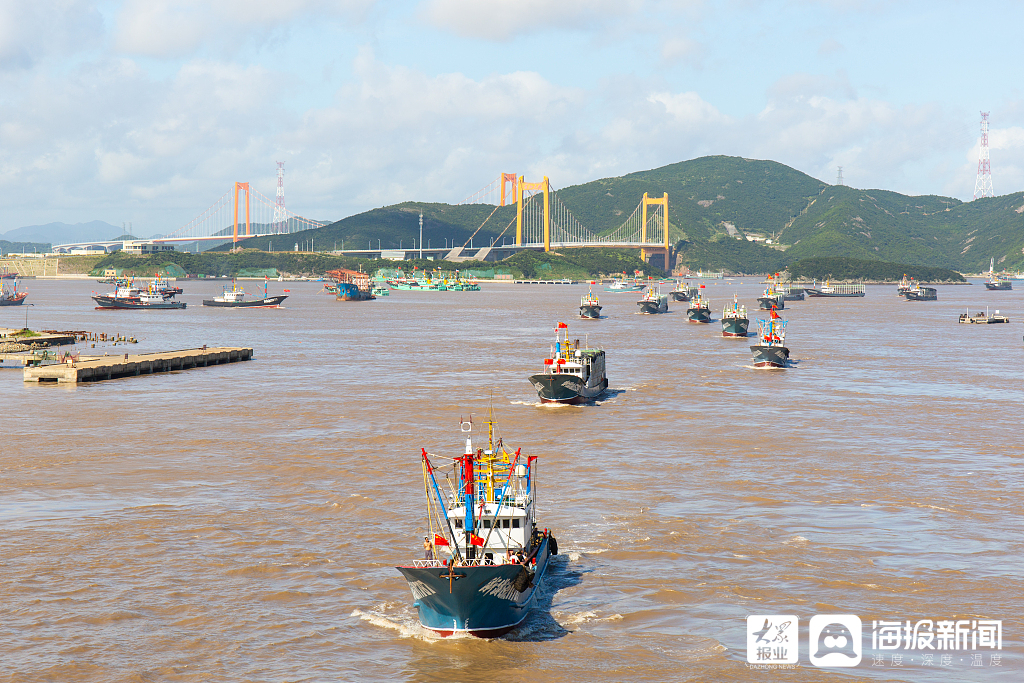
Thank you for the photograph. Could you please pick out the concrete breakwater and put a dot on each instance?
(98, 368)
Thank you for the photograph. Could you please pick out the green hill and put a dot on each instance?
(715, 204)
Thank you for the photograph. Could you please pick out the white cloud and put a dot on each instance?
(502, 20)
(175, 28)
(36, 29)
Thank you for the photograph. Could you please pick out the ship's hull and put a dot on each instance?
(770, 356)
(481, 601)
(652, 307)
(14, 299)
(735, 327)
(109, 302)
(794, 296)
(591, 312)
(698, 315)
(566, 388)
(269, 302)
(916, 296)
(680, 296)
(765, 303)
(832, 295)
(349, 292)
(1002, 285)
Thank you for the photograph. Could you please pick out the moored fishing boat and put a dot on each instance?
(624, 286)
(836, 291)
(571, 374)
(790, 293)
(485, 557)
(983, 318)
(127, 296)
(11, 296)
(235, 298)
(994, 281)
(653, 301)
(734, 319)
(770, 350)
(351, 285)
(699, 310)
(590, 307)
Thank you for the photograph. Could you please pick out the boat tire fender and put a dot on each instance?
(553, 545)
(523, 580)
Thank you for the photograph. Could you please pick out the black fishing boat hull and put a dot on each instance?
(680, 296)
(483, 601)
(565, 388)
(110, 302)
(652, 307)
(922, 296)
(698, 315)
(590, 312)
(832, 295)
(770, 356)
(14, 299)
(793, 295)
(1002, 285)
(766, 303)
(735, 327)
(269, 302)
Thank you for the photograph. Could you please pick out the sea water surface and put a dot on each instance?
(242, 522)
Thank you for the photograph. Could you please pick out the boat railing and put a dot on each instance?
(475, 562)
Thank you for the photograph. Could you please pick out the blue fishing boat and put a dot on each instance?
(699, 310)
(484, 556)
(734, 319)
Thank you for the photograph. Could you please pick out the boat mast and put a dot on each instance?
(467, 490)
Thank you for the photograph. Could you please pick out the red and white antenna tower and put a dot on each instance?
(983, 185)
(280, 215)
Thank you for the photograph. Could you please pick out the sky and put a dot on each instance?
(147, 111)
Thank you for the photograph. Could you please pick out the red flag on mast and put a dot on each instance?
(475, 540)
(440, 540)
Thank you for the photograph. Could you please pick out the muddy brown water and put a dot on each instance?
(241, 522)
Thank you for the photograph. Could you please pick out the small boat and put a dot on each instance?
(836, 291)
(904, 285)
(994, 281)
(772, 297)
(624, 286)
(572, 374)
(485, 557)
(921, 293)
(590, 307)
(381, 290)
(983, 318)
(235, 298)
(11, 296)
(699, 310)
(734, 319)
(770, 350)
(683, 291)
(127, 296)
(6, 274)
(653, 301)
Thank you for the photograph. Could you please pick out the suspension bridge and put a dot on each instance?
(543, 222)
(242, 212)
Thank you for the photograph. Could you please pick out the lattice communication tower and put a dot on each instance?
(983, 185)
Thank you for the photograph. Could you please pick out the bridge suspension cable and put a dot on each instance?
(262, 217)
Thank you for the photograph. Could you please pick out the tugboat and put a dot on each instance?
(920, 293)
(590, 307)
(653, 301)
(128, 296)
(484, 555)
(235, 298)
(571, 375)
(684, 291)
(770, 350)
(772, 297)
(699, 310)
(12, 297)
(734, 319)
(994, 281)
(160, 285)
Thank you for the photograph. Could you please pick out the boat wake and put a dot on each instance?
(399, 618)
